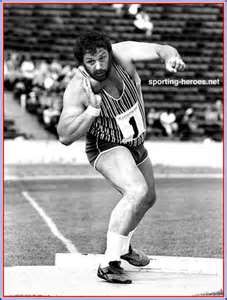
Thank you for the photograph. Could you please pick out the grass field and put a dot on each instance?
(185, 221)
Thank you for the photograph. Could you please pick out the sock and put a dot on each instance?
(125, 248)
(114, 246)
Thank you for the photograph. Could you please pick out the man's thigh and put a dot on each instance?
(146, 169)
(118, 167)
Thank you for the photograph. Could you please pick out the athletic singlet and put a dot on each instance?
(121, 120)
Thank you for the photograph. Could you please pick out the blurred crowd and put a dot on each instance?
(39, 85)
(185, 124)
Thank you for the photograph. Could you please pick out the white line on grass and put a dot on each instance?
(97, 176)
(52, 226)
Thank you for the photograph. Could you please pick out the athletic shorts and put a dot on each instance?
(95, 147)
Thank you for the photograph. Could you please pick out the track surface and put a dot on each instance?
(186, 219)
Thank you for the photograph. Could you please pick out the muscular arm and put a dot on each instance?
(75, 119)
(136, 51)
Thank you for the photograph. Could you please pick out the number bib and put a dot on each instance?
(130, 123)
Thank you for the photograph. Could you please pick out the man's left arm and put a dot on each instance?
(137, 51)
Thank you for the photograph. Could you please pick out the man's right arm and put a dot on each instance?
(78, 113)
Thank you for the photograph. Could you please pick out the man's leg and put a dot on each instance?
(119, 167)
(146, 169)
(135, 257)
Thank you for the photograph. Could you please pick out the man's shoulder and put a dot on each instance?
(76, 81)
(122, 50)
(122, 56)
(122, 45)
(74, 88)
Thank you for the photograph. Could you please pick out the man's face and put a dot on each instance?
(98, 64)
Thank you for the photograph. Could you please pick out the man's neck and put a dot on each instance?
(112, 75)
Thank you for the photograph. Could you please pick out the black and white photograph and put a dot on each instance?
(113, 149)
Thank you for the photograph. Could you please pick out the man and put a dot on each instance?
(104, 101)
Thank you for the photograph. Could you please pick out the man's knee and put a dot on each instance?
(138, 190)
(144, 195)
(148, 196)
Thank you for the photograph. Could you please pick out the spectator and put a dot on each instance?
(133, 9)
(50, 114)
(188, 127)
(143, 23)
(7, 75)
(28, 68)
(154, 127)
(213, 121)
(41, 72)
(27, 72)
(151, 117)
(11, 69)
(219, 108)
(168, 121)
(55, 68)
(211, 115)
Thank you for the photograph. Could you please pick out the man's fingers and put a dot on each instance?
(180, 65)
(170, 65)
(171, 69)
(87, 85)
(175, 64)
(183, 66)
(94, 99)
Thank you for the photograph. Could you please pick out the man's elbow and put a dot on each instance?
(66, 137)
(65, 141)
(62, 136)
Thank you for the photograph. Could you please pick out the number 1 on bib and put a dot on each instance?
(131, 123)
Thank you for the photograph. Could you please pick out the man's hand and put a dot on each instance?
(175, 64)
(93, 99)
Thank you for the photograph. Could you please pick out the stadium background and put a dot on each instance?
(185, 221)
(47, 33)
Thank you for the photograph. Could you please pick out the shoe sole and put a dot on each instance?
(136, 264)
(105, 276)
(127, 281)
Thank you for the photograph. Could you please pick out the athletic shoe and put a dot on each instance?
(136, 258)
(113, 273)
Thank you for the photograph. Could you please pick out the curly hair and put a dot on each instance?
(89, 42)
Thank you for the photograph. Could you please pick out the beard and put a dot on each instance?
(101, 74)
